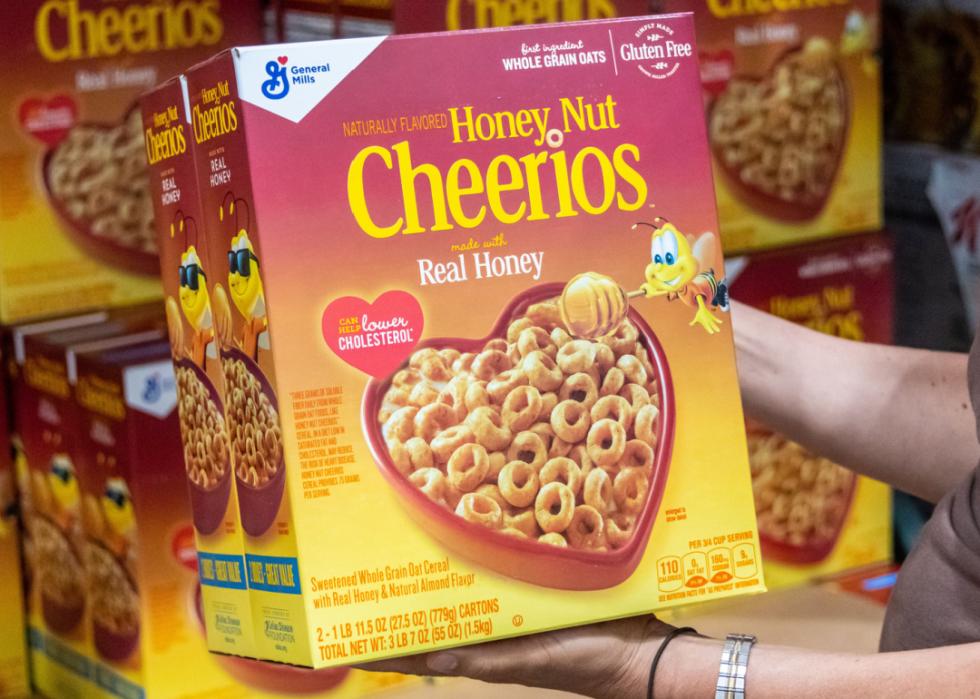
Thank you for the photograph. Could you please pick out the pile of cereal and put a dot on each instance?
(784, 135)
(99, 175)
(59, 572)
(800, 499)
(538, 435)
(115, 601)
(256, 438)
(202, 429)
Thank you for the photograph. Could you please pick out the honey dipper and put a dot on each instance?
(593, 305)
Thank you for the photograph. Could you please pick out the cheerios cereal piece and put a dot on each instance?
(480, 509)
(511, 531)
(637, 396)
(400, 457)
(476, 395)
(640, 352)
(615, 407)
(434, 369)
(548, 402)
(493, 492)
(554, 507)
(514, 354)
(498, 344)
(430, 481)
(401, 425)
(545, 314)
(453, 495)
(560, 336)
(449, 355)
(516, 327)
(581, 388)
(489, 428)
(619, 529)
(489, 363)
(638, 454)
(586, 530)
(632, 369)
(576, 356)
(521, 408)
(468, 466)
(503, 383)
(630, 490)
(605, 358)
(580, 455)
(534, 340)
(524, 522)
(529, 448)
(420, 357)
(570, 420)
(606, 442)
(561, 469)
(553, 539)
(598, 491)
(464, 364)
(518, 483)
(433, 419)
(498, 460)
(454, 395)
(545, 432)
(559, 447)
(624, 339)
(612, 382)
(446, 442)
(542, 371)
(645, 424)
(422, 394)
(396, 396)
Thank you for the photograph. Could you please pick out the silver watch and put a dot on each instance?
(734, 663)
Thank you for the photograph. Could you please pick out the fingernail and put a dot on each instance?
(443, 663)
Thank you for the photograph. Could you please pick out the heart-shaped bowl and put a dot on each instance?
(259, 505)
(530, 561)
(105, 250)
(113, 645)
(769, 204)
(815, 550)
(275, 678)
(208, 505)
(58, 616)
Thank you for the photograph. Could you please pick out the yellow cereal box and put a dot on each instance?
(74, 204)
(793, 95)
(816, 518)
(479, 375)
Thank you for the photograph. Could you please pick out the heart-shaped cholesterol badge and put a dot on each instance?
(48, 119)
(779, 139)
(373, 337)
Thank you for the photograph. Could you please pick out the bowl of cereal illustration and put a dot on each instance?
(779, 139)
(801, 500)
(59, 576)
(275, 678)
(256, 441)
(115, 605)
(539, 456)
(205, 439)
(97, 183)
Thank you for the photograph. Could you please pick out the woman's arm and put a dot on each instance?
(612, 661)
(899, 415)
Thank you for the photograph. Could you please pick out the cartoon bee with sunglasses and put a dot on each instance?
(194, 300)
(245, 280)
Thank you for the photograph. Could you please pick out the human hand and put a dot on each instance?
(610, 660)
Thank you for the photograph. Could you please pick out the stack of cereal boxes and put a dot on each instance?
(793, 102)
(412, 16)
(430, 306)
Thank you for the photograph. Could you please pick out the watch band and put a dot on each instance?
(734, 663)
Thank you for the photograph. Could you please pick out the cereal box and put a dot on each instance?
(13, 651)
(815, 517)
(426, 16)
(183, 249)
(479, 374)
(793, 101)
(53, 539)
(74, 203)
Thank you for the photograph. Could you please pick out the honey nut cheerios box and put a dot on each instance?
(479, 371)
(793, 100)
(817, 519)
(74, 204)
(412, 16)
(206, 452)
(14, 681)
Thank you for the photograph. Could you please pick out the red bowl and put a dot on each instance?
(58, 617)
(112, 645)
(530, 561)
(259, 505)
(208, 506)
(768, 204)
(274, 678)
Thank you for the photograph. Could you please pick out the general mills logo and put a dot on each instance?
(277, 86)
(152, 389)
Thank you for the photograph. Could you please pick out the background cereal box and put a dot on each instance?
(448, 471)
(74, 201)
(816, 518)
(413, 16)
(793, 100)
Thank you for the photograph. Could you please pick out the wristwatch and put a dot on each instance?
(734, 663)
